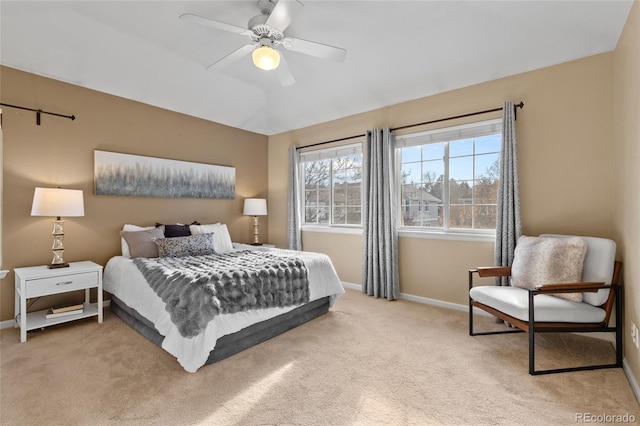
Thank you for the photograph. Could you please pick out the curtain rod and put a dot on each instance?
(486, 111)
(39, 111)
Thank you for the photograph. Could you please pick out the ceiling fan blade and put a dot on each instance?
(284, 73)
(283, 13)
(313, 48)
(213, 23)
(232, 57)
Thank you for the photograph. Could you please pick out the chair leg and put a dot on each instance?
(470, 318)
(532, 337)
(619, 308)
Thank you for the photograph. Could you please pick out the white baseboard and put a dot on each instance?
(10, 323)
(632, 380)
(352, 286)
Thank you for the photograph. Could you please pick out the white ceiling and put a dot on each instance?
(396, 51)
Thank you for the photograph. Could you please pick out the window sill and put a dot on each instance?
(406, 233)
(356, 230)
(442, 235)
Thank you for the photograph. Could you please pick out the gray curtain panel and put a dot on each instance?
(293, 212)
(379, 217)
(508, 227)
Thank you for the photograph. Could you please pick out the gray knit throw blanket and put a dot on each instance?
(197, 288)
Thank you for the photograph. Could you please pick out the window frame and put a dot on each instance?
(444, 135)
(325, 154)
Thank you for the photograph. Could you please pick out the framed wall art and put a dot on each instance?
(140, 176)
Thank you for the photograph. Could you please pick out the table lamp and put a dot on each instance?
(255, 207)
(57, 202)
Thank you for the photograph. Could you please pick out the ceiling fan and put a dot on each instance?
(266, 32)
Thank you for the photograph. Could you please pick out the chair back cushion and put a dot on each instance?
(598, 265)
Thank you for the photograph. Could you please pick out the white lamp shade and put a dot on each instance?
(57, 202)
(255, 207)
(266, 58)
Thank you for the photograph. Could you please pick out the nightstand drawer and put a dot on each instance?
(59, 284)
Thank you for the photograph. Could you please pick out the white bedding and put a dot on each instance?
(123, 279)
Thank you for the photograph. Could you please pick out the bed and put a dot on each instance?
(140, 306)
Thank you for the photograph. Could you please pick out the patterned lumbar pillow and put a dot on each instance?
(540, 261)
(193, 245)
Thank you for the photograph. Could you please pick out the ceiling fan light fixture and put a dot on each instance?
(266, 58)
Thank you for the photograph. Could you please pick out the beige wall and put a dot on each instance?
(565, 157)
(60, 153)
(626, 203)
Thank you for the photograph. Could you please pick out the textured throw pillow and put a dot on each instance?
(193, 245)
(141, 243)
(221, 235)
(540, 261)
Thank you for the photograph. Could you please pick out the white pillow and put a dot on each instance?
(131, 228)
(221, 237)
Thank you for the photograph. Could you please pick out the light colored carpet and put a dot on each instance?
(367, 362)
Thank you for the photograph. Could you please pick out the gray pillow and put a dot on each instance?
(538, 261)
(141, 243)
(193, 245)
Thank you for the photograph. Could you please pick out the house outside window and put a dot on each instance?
(449, 178)
(331, 186)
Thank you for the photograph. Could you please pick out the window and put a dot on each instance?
(449, 177)
(331, 185)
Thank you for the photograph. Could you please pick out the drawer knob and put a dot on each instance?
(64, 283)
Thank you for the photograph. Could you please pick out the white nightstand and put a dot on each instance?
(37, 281)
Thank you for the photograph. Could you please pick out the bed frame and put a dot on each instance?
(232, 343)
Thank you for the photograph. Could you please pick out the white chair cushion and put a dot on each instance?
(514, 301)
(598, 265)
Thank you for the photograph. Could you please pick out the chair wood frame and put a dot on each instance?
(532, 327)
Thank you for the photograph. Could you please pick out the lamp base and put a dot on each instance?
(256, 244)
(57, 265)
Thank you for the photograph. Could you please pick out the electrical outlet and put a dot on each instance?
(634, 335)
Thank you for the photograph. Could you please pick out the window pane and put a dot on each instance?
(410, 154)
(487, 165)
(433, 192)
(461, 168)
(433, 171)
(485, 191)
(310, 196)
(420, 207)
(460, 216)
(461, 192)
(433, 151)
(354, 214)
(412, 173)
(316, 173)
(485, 217)
(491, 143)
(461, 147)
(354, 194)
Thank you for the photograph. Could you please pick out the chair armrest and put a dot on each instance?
(489, 271)
(590, 287)
(493, 271)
